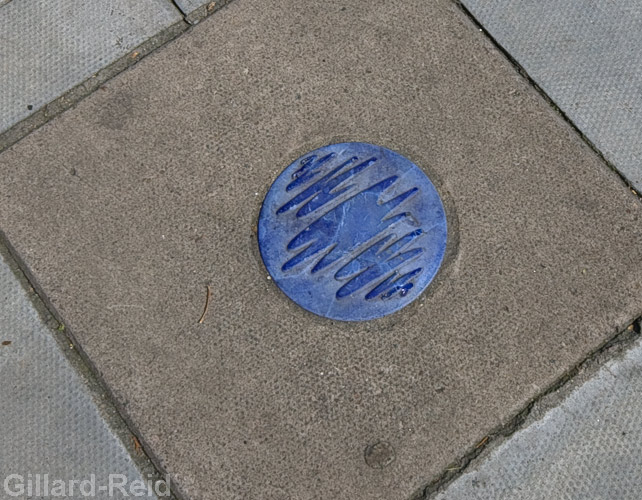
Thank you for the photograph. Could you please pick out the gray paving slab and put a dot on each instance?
(125, 207)
(48, 47)
(51, 423)
(587, 447)
(189, 7)
(197, 10)
(586, 56)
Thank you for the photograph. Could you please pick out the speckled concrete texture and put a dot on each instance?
(125, 207)
(51, 423)
(587, 447)
(48, 47)
(189, 7)
(585, 54)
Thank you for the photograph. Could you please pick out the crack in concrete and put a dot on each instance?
(200, 13)
(178, 8)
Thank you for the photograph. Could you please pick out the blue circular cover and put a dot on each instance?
(352, 231)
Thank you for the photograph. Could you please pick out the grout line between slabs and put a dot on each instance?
(73, 96)
(609, 350)
(76, 94)
(113, 413)
(101, 395)
(520, 69)
(119, 422)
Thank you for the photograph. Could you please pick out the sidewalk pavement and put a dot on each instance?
(48, 48)
(55, 419)
(586, 56)
(586, 446)
(122, 209)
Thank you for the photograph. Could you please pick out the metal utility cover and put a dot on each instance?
(352, 231)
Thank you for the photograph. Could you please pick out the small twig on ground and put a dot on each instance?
(137, 447)
(482, 442)
(207, 303)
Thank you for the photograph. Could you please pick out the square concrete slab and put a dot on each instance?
(48, 47)
(586, 56)
(127, 206)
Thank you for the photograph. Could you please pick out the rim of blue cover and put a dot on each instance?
(352, 231)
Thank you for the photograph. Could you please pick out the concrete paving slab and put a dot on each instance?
(50, 421)
(197, 10)
(125, 207)
(588, 447)
(189, 6)
(586, 56)
(48, 47)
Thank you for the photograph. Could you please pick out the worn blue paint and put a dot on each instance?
(352, 231)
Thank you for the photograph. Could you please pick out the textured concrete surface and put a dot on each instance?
(588, 447)
(586, 56)
(188, 7)
(125, 207)
(50, 423)
(48, 47)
